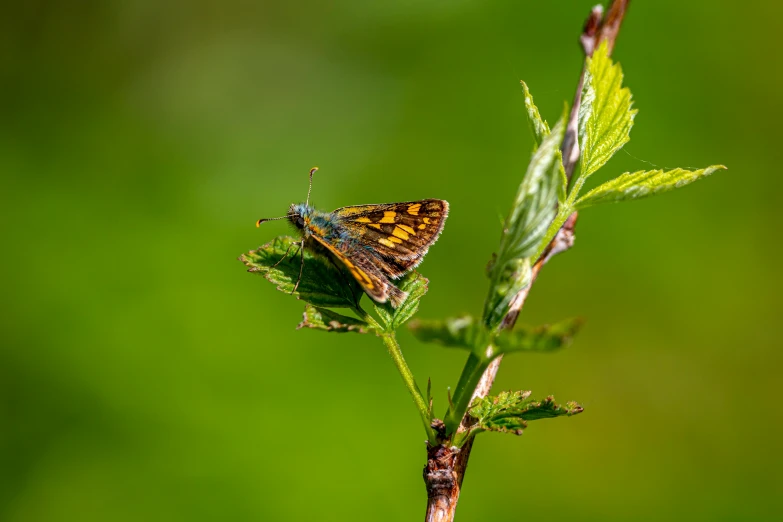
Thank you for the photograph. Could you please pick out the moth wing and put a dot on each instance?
(400, 233)
(395, 267)
(371, 278)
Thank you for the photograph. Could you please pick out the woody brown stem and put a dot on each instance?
(446, 464)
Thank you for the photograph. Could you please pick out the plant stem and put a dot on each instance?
(562, 214)
(446, 464)
(390, 341)
(471, 374)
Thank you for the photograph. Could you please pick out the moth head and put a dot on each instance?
(296, 215)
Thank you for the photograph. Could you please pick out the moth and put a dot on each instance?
(376, 243)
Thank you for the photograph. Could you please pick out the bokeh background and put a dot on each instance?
(144, 375)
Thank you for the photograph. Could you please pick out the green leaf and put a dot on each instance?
(540, 130)
(527, 223)
(635, 185)
(538, 126)
(415, 285)
(537, 339)
(605, 116)
(534, 207)
(549, 409)
(323, 284)
(329, 321)
(510, 411)
(456, 332)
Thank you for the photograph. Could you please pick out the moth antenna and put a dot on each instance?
(310, 188)
(264, 220)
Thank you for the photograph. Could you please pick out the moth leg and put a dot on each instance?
(339, 270)
(285, 255)
(301, 267)
(343, 277)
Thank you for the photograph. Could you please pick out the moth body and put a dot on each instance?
(375, 243)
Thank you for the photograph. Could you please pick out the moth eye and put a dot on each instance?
(300, 222)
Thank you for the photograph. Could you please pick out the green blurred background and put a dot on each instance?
(144, 375)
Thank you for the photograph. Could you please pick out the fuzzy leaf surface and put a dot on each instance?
(416, 286)
(323, 284)
(642, 184)
(329, 321)
(605, 116)
(510, 411)
(454, 332)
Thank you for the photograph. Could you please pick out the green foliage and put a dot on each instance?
(468, 333)
(542, 206)
(527, 223)
(329, 321)
(533, 208)
(485, 346)
(642, 184)
(510, 411)
(540, 130)
(604, 122)
(605, 116)
(460, 332)
(416, 286)
(536, 339)
(323, 284)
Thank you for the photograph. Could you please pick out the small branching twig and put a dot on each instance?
(442, 501)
